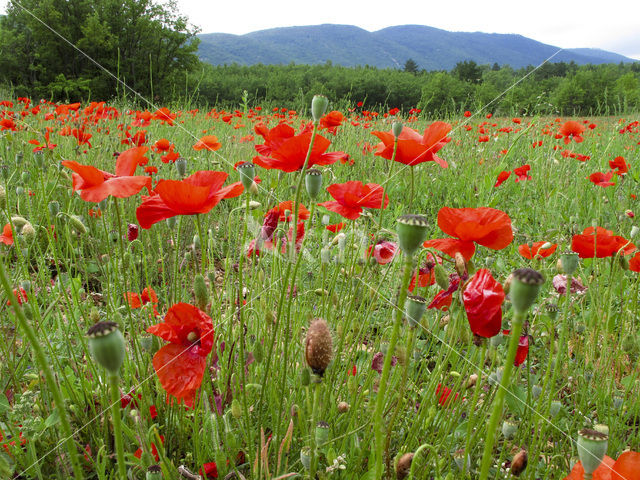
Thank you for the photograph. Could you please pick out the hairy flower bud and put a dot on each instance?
(318, 346)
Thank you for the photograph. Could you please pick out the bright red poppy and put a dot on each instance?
(289, 153)
(627, 467)
(603, 472)
(335, 228)
(180, 364)
(351, 197)
(572, 130)
(209, 470)
(485, 226)
(522, 351)
(161, 145)
(502, 177)
(331, 121)
(426, 274)
(602, 179)
(197, 193)
(634, 263)
(273, 138)
(95, 185)
(600, 243)
(208, 142)
(620, 165)
(535, 250)
(483, 298)
(414, 148)
(522, 173)
(7, 235)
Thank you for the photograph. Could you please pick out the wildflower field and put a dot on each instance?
(267, 294)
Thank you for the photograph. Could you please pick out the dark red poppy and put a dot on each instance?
(351, 197)
(180, 364)
(502, 177)
(620, 165)
(522, 351)
(483, 298)
(572, 130)
(535, 250)
(426, 274)
(198, 193)
(383, 251)
(7, 235)
(442, 300)
(148, 295)
(95, 185)
(414, 148)
(209, 470)
(600, 243)
(602, 179)
(485, 226)
(154, 450)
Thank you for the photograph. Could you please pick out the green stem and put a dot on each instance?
(378, 420)
(498, 401)
(44, 365)
(114, 385)
(314, 419)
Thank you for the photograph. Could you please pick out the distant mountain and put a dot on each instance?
(431, 48)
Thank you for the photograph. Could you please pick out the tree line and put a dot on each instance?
(152, 49)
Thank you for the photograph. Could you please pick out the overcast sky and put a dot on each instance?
(612, 25)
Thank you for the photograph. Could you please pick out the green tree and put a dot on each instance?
(146, 44)
(468, 71)
(410, 66)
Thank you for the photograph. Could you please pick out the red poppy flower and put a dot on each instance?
(180, 365)
(602, 179)
(572, 130)
(485, 226)
(522, 351)
(414, 148)
(442, 300)
(620, 165)
(7, 235)
(627, 467)
(522, 173)
(81, 136)
(351, 197)
(426, 274)
(282, 207)
(483, 298)
(634, 263)
(21, 295)
(443, 393)
(502, 177)
(335, 228)
(599, 242)
(161, 145)
(383, 251)
(148, 295)
(273, 138)
(154, 450)
(95, 185)
(209, 470)
(289, 154)
(536, 251)
(467, 113)
(603, 472)
(7, 124)
(331, 121)
(197, 193)
(208, 142)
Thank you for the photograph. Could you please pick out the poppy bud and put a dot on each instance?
(54, 208)
(19, 191)
(442, 279)
(519, 463)
(396, 128)
(181, 166)
(592, 445)
(236, 410)
(19, 222)
(106, 344)
(536, 391)
(404, 466)
(524, 288)
(461, 266)
(414, 309)
(555, 407)
(322, 433)
(412, 231)
(325, 255)
(319, 105)
(28, 232)
(624, 263)
(552, 311)
(154, 472)
(113, 236)
(509, 429)
(325, 220)
(201, 292)
(313, 182)
(26, 176)
(196, 243)
(254, 205)
(318, 346)
(569, 262)
(247, 171)
(77, 225)
(634, 232)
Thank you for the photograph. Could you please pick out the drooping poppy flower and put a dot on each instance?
(331, 121)
(351, 197)
(198, 193)
(208, 142)
(180, 364)
(560, 284)
(602, 179)
(535, 250)
(600, 243)
(522, 351)
(603, 472)
(620, 165)
(572, 130)
(483, 298)
(7, 235)
(209, 470)
(485, 226)
(95, 185)
(383, 251)
(627, 467)
(414, 148)
(522, 173)
(289, 154)
(426, 274)
(502, 177)
(442, 300)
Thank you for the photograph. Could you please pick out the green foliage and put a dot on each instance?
(143, 43)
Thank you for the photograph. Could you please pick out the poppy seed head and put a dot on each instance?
(101, 329)
(318, 346)
(528, 276)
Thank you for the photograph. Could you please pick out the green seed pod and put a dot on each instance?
(181, 166)
(113, 236)
(313, 182)
(258, 352)
(322, 433)
(536, 391)
(201, 292)
(414, 309)
(396, 128)
(54, 208)
(412, 231)
(525, 286)
(555, 407)
(592, 446)
(19, 191)
(236, 410)
(569, 262)
(247, 171)
(154, 472)
(76, 223)
(107, 345)
(442, 279)
(319, 105)
(26, 176)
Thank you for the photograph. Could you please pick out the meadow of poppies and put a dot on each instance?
(263, 293)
